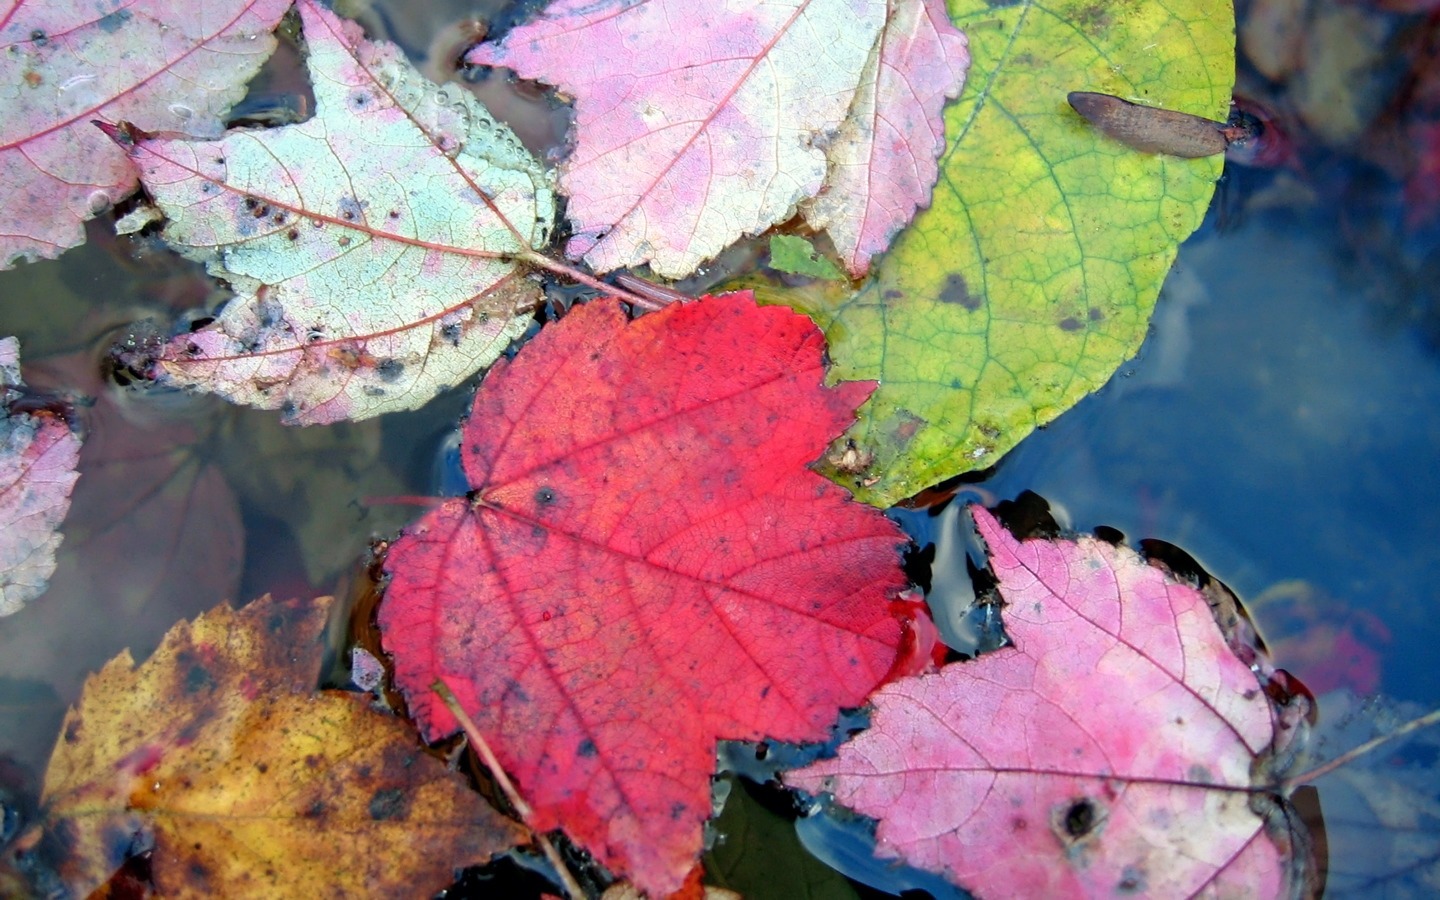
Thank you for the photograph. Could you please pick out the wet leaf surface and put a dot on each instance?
(38, 456)
(369, 247)
(645, 565)
(1113, 749)
(219, 754)
(715, 122)
(162, 65)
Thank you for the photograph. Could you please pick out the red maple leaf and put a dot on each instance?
(646, 565)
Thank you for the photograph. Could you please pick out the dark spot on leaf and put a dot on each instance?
(1019, 824)
(292, 234)
(955, 290)
(1132, 881)
(373, 391)
(39, 37)
(249, 203)
(388, 803)
(545, 496)
(262, 768)
(1095, 314)
(893, 294)
(390, 369)
(316, 810)
(1080, 818)
(1070, 323)
(451, 333)
(260, 211)
(278, 218)
(198, 679)
(394, 213)
(587, 749)
(73, 729)
(677, 810)
(114, 22)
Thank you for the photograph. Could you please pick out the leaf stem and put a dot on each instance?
(536, 258)
(477, 741)
(1424, 721)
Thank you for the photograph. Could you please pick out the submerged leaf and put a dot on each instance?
(218, 753)
(371, 248)
(38, 455)
(697, 125)
(159, 64)
(645, 565)
(1119, 747)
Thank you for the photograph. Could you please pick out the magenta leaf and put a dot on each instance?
(697, 124)
(38, 453)
(163, 65)
(1112, 750)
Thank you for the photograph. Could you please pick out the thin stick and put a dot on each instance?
(1424, 721)
(536, 258)
(567, 881)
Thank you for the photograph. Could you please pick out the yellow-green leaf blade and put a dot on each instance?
(1034, 273)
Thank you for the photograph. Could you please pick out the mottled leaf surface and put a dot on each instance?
(1110, 751)
(696, 125)
(247, 781)
(162, 65)
(38, 456)
(1033, 274)
(371, 248)
(645, 565)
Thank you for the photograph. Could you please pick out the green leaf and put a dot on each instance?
(1032, 276)
(797, 256)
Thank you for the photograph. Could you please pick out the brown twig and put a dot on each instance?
(1424, 721)
(487, 756)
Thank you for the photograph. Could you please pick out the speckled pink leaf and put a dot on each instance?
(882, 162)
(38, 453)
(370, 248)
(699, 123)
(161, 64)
(1109, 752)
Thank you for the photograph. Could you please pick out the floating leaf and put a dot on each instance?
(1119, 747)
(161, 65)
(1032, 276)
(219, 754)
(645, 565)
(371, 248)
(38, 455)
(699, 124)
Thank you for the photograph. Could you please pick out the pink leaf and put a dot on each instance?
(38, 453)
(882, 163)
(1112, 750)
(697, 124)
(160, 64)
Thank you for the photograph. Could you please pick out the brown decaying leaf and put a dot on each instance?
(1150, 129)
(247, 781)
